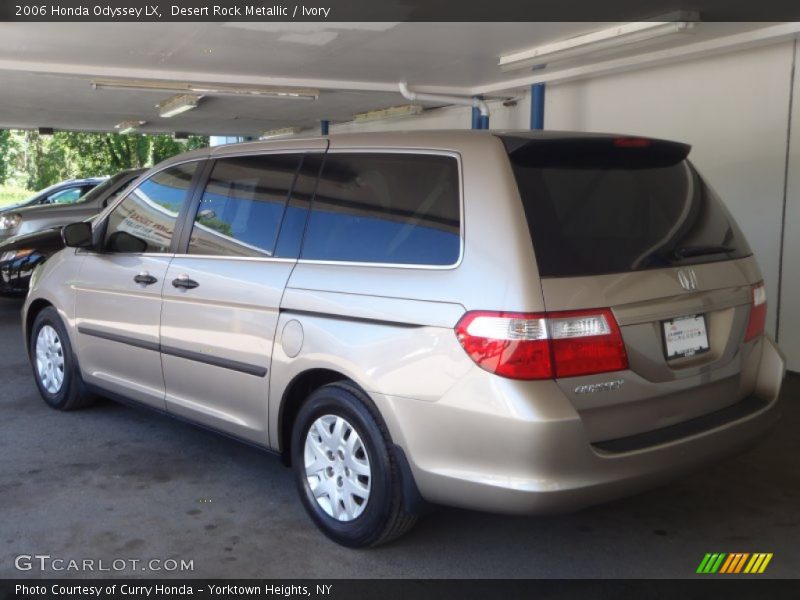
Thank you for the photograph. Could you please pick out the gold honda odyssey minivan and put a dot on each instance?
(505, 321)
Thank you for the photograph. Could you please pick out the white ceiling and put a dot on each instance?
(46, 68)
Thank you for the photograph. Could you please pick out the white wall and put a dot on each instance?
(734, 110)
(790, 282)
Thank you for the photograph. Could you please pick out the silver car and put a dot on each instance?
(506, 321)
(63, 192)
(28, 219)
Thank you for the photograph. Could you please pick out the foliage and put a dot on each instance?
(217, 225)
(11, 194)
(8, 150)
(35, 161)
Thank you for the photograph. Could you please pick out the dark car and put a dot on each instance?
(20, 255)
(39, 231)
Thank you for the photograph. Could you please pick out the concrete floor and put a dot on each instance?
(116, 482)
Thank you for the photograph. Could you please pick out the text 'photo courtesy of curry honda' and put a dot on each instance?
(514, 322)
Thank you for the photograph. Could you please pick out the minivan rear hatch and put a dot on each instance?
(629, 224)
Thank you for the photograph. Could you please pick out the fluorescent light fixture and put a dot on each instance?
(279, 133)
(207, 89)
(128, 126)
(177, 104)
(605, 39)
(389, 113)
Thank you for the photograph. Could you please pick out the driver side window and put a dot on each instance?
(145, 220)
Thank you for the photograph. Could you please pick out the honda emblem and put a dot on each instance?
(687, 279)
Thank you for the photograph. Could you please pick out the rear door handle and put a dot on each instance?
(183, 281)
(145, 279)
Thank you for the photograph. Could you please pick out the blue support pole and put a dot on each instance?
(324, 126)
(476, 118)
(537, 106)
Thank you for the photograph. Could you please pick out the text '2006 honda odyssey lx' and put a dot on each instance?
(512, 322)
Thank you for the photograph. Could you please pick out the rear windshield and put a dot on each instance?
(611, 205)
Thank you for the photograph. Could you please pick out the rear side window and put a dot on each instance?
(386, 208)
(242, 206)
(599, 208)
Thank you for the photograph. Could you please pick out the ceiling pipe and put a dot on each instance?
(473, 102)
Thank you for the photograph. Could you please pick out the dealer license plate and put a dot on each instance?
(685, 336)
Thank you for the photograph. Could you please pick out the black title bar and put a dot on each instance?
(395, 10)
(705, 587)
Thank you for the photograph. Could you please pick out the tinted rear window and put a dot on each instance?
(597, 207)
(386, 208)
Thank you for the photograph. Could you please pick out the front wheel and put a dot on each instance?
(345, 469)
(55, 368)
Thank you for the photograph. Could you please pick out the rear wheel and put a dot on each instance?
(345, 469)
(55, 368)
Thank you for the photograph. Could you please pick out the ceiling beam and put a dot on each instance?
(762, 36)
(96, 71)
(758, 37)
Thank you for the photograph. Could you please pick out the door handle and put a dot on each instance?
(183, 281)
(145, 279)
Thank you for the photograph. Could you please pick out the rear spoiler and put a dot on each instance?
(594, 152)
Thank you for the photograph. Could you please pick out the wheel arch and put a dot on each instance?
(32, 312)
(300, 388)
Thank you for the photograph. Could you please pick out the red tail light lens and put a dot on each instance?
(758, 313)
(513, 345)
(586, 343)
(543, 345)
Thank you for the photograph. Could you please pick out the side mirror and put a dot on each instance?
(77, 235)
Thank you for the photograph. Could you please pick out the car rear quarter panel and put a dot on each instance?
(391, 328)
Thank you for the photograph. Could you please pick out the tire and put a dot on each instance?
(57, 375)
(380, 517)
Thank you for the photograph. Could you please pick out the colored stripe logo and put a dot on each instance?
(734, 563)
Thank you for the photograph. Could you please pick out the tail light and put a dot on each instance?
(758, 313)
(543, 345)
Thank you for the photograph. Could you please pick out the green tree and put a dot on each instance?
(8, 153)
(45, 161)
(39, 161)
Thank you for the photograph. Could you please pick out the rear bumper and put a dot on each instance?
(537, 459)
